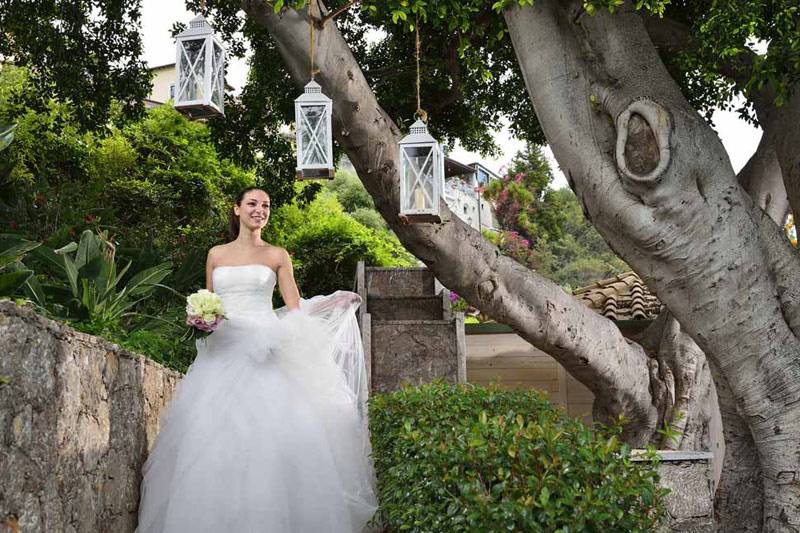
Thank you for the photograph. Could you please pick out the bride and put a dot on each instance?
(267, 431)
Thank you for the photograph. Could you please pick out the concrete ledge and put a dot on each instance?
(673, 455)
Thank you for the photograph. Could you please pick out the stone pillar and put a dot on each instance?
(413, 336)
(78, 415)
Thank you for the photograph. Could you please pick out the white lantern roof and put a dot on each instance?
(418, 134)
(198, 27)
(312, 94)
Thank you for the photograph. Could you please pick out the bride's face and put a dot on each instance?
(254, 211)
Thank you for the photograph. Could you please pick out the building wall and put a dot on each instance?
(462, 200)
(163, 77)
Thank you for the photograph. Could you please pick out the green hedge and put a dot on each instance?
(465, 458)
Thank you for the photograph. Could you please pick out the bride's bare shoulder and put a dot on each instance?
(277, 254)
(215, 252)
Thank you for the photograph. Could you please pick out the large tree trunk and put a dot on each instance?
(589, 346)
(659, 187)
(739, 500)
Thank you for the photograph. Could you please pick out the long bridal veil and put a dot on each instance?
(337, 361)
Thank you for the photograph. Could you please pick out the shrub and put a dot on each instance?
(350, 192)
(327, 244)
(465, 458)
(369, 218)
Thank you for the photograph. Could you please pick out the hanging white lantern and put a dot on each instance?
(312, 112)
(421, 175)
(200, 65)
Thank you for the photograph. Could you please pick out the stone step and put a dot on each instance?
(415, 351)
(399, 282)
(406, 307)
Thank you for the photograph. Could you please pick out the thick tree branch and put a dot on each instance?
(762, 179)
(589, 346)
(782, 129)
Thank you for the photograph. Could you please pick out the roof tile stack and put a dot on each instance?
(623, 297)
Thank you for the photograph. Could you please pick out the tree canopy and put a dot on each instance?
(87, 52)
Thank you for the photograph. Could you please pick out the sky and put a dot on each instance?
(158, 16)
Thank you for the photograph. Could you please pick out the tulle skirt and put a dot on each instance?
(265, 433)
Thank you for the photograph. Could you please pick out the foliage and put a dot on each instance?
(545, 229)
(13, 274)
(355, 199)
(465, 458)
(724, 56)
(535, 256)
(327, 244)
(86, 52)
(370, 218)
(350, 191)
(6, 135)
(157, 184)
(96, 291)
(581, 256)
(523, 200)
(250, 132)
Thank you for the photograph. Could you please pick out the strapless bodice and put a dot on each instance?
(244, 288)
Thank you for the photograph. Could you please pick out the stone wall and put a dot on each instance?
(77, 417)
(690, 503)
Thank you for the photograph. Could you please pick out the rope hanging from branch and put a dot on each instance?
(420, 113)
(311, 22)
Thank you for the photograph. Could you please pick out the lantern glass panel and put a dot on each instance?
(192, 70)
(218, 68)
(418, 177)
(314, 135)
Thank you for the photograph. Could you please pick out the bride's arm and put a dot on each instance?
(286, 283)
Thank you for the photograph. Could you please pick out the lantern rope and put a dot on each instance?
(420, 112)
(311, 38)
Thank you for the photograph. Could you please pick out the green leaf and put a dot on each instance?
(88, 249)
(144, 280)
(544, 497)
(72, 274)
(11, 281)
(10, 255)
(6, 135)
(67, 248)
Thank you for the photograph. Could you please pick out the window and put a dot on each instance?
(172, 91)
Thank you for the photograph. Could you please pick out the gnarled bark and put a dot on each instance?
(686, 226)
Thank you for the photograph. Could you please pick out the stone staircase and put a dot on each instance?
(409, 332)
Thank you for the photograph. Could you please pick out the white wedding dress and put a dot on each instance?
(267, 431)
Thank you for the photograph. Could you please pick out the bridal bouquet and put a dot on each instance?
(204, 312)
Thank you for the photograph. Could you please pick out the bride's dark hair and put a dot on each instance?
(233, 219)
